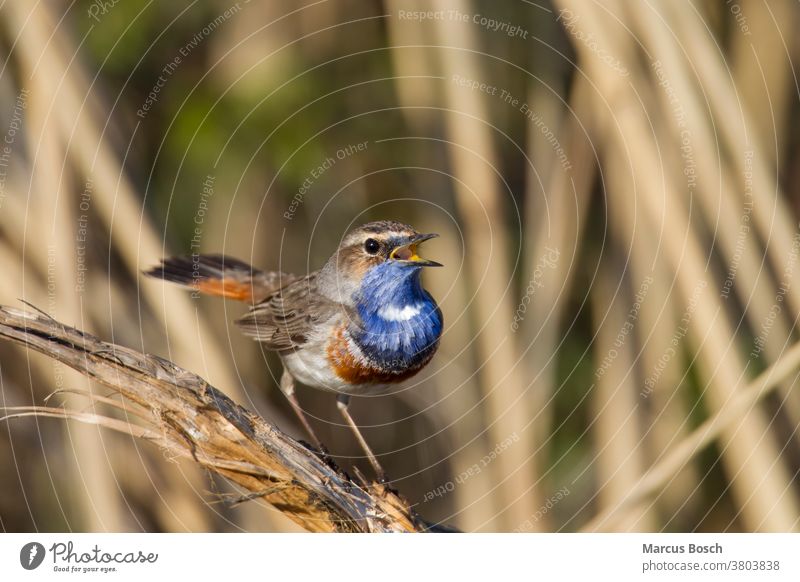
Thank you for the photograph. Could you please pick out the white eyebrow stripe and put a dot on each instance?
(392, 313)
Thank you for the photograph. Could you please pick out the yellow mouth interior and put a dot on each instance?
(406, 253)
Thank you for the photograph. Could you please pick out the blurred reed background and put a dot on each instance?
(616, 185)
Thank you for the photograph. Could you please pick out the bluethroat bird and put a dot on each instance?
(358, 325)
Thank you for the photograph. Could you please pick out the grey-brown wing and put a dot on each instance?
(285, 319)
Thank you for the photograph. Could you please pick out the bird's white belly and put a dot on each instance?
(311, 367)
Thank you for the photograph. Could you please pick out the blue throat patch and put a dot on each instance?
(400, 322)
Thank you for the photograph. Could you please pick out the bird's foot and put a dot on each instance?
(323, 453)
(380, 478)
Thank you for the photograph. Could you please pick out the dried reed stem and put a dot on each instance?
(189, 418)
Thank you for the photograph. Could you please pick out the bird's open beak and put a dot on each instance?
(407, 253)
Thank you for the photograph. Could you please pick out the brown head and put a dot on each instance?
(366, 247)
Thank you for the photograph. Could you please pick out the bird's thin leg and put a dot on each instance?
(287, 387)
(342, 402)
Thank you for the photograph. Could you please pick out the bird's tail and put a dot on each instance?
(221, 276)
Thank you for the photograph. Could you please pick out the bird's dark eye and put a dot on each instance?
(372, 246)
